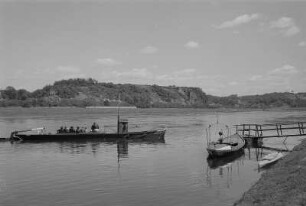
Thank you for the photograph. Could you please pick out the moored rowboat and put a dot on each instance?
(229, 145)
(270, 158)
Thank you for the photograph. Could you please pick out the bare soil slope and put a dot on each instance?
(282, 184)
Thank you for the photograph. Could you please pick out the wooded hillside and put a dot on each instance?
(89, 92)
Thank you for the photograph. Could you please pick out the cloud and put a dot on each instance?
(256, 78)
(190, 77)
(59, 70)
(233, 83)
(284, 78)
(302, 44)
(107, 62)
(149, 50)
(239, 20)
(192, 45)
(185, 72)
(134, 73)
(67, 69)
(178, 77)
(66, 72)
(127, 75)
(286, 26)
(51, 74)
(186, 77)
(280, 73)
(284, 70)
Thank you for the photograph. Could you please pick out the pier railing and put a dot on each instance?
(271, 130)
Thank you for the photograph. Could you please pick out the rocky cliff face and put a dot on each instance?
(176, 96)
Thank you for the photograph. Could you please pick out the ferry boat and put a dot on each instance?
(40, 134)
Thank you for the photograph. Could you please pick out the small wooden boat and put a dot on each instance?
(220, 142)
(228, 145)
(270, 158)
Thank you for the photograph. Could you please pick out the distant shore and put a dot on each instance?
(282, 184)
(220, 109)
(111, 107)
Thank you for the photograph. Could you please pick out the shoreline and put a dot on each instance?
(111, 107)
(284, 183)
(220, 109)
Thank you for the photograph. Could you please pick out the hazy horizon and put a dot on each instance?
(223, 47)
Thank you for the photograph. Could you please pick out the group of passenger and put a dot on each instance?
(72, 130)
(64, 129)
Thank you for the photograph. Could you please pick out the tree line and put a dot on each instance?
(89, 92)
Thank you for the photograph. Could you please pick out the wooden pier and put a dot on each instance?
(259, 131)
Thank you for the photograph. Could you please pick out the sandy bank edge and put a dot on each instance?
(283, 184)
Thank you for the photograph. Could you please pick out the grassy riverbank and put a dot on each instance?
(282, 184)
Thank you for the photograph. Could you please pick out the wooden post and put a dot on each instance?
(281, 131)
(301, 128)
(277, 130)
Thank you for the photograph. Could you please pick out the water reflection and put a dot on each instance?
(254, 149)
(122, 149)
(226, 170)
(89, 146)
(124, 173)
(215, 163)
(223, 170)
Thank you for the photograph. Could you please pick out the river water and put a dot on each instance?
(173, 172)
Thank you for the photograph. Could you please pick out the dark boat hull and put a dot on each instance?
(215, 163)
(143, 135)
(216, 149)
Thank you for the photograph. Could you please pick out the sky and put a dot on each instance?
(224, 47)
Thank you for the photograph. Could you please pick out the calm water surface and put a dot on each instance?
(174, 172)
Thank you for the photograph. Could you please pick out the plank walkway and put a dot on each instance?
(256, 131)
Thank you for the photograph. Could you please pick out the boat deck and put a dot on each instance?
(151, 134)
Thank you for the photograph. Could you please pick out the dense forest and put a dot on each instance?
(271, 100)
(89, 92)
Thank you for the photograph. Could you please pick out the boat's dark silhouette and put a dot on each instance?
(215, 163)
(121, 134)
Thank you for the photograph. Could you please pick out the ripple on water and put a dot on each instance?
(174, 172)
